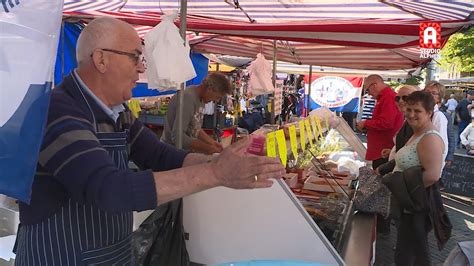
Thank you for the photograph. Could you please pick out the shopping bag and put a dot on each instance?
(372, 196)
(160, 238)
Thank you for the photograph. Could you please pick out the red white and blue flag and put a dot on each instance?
(341, 94)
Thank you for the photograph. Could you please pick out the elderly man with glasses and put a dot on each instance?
(83, 193)
(386, 120)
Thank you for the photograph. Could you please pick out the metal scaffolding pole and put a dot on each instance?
(274, 80)
(182, 31)
(310, 80)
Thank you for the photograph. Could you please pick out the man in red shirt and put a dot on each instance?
(385, 123)
(386, 120)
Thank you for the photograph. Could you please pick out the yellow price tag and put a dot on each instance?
(310, 134)
(282, 150)
(302, 135)
(313, 126)
(271, 148)
(293, 144)
(318, 125)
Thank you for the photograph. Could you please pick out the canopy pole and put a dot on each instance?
(430, 71)
(62, 51)
(310, 80)
(272, 114)
(182, 31)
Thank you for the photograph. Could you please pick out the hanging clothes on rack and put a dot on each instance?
(260, 81)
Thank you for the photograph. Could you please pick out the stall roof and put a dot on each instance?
(289, 68)
(363, 34)
(278, 11)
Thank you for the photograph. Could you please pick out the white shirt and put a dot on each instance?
(441, 125)
(467, 136)
(451, 104)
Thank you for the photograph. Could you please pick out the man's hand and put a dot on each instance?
(360, 125)
(235, 168)
(211, 149)
(218, 146)
(385, 153)
(377, 171)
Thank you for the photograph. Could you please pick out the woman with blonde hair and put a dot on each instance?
(403, 134)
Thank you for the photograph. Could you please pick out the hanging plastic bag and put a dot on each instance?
(160, 238)
(260, 81)
(168, 60)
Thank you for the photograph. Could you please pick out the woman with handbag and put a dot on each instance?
(424, 149)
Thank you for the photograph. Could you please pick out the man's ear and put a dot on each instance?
(100, 61)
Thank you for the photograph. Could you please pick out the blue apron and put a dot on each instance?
(81, 234)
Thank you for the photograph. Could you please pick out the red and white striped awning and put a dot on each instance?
(364, 34)
(278, 11)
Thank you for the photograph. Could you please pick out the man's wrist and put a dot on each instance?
(211, 158)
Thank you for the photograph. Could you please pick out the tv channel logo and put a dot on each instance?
(430, 39)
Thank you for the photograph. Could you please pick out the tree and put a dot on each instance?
(459, 50)
(413, 80)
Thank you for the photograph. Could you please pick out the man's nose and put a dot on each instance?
(141, 67)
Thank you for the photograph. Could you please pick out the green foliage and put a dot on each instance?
(322, 147)
(459, 50)
(414, 80)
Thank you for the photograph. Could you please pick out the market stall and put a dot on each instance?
(311, 216)
(393, 50)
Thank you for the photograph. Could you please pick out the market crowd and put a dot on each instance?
(410, 140)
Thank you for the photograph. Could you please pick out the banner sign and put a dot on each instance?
(29, 38)
(340, 94)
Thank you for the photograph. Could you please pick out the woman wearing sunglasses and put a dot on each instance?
(403, 134)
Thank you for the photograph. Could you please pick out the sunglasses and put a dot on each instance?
(398, 98)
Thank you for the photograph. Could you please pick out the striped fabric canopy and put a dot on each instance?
(363, 34)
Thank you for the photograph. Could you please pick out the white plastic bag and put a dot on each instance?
(168, 61)
(260, 81)
(345, 164)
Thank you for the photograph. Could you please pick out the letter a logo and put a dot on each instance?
(430, 35)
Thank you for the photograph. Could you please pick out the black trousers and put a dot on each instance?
(412, 240)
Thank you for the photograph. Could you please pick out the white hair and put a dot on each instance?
(99, 33)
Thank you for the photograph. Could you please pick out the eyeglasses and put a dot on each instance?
(404, 98)
(136, 57)
(366, 88)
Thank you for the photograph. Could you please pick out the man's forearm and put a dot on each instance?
(196, 158)
(205, 137)
(200, 146)
(178, 183)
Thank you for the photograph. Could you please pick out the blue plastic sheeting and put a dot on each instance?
(270, 263)
(201, 66)
(71, 34)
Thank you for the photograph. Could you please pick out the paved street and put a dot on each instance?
(462, 218)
